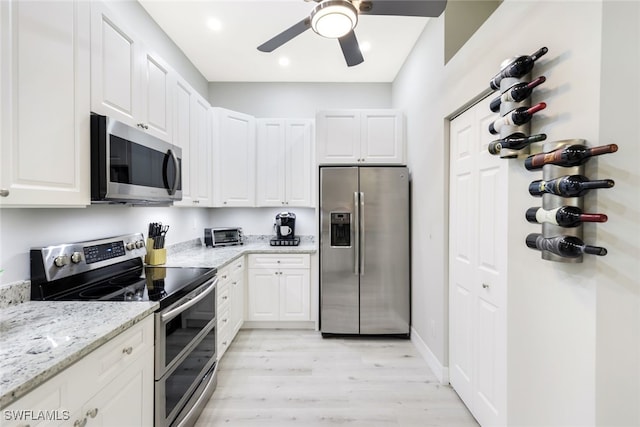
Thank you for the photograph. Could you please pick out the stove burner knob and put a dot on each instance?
(76, 257)
(61, 261)
(131, 246)
(140, 244)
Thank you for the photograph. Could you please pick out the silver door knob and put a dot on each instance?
(485, 286)
(4, 192)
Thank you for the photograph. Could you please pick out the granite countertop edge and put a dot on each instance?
(24, 368)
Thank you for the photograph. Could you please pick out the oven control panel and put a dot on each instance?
(68, 259)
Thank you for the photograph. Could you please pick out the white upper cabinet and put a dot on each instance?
(234, 166)
(128, 82)
(192, 133)
(284, 164)
(360, 137)
(44, 140)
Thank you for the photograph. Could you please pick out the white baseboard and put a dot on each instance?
(441, 372)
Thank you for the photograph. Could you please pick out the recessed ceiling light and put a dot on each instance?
(365, 47)
(214, 24)
(284, 61)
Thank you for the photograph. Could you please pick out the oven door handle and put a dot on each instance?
(190, 303)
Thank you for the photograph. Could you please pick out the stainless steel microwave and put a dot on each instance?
(129, 165)
(223, 236)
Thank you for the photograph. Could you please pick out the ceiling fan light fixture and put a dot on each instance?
(334, 18)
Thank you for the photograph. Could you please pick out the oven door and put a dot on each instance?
(182, 325)
(129, 165)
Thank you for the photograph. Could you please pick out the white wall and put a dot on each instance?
(563, 318)
(297, 100)
(22, 229)
(259, 221)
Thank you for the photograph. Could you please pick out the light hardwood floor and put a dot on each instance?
(296, 378)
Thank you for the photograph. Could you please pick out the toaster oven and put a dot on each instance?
(223, 236)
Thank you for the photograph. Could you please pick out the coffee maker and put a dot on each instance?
(285, 227)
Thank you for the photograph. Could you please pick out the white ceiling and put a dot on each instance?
(230, 54)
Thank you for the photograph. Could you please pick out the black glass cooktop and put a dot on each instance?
(163, 284)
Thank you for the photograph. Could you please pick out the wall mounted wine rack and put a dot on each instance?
(505, 81)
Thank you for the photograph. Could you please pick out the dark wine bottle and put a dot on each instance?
(573, 155)
(516, 93)
(568, 186)
(564, 246)
(517, 117)
(564, 216)
(519, 67)
(515, 141)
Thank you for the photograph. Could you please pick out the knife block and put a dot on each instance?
(155, 256)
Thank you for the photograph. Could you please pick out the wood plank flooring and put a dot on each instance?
(296, 378)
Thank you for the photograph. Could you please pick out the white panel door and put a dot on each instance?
(157, 91)
(234, 159)
(477, 260)
(114, 67)
(264, 294)
(294, 294)
(45, 103)
(182, 137)
(381, 137)
(299, 163)
(200, 151)
(338, 137)
(270, 162)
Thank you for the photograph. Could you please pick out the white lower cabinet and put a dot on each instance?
(230, 303)
(278, 287)
(111, 386)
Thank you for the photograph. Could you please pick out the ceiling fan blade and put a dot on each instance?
(285, 36)
(425, 8)
(351, 49)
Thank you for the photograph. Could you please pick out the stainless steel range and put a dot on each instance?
(112, 269)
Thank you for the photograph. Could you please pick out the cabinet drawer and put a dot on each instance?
(106, 362)
(223, 298)
(279, 261)
(236, 265)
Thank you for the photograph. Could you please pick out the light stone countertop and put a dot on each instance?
(38, 339)
(199, 255)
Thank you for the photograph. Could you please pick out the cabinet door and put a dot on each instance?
(264, 294)
(382, 137)
(299, 163)
(200, 152)
(234, 159)
(127, 400)
(270, 162)
(157, 97)
(114, 67)
(338, 137)
(182, 137)
(237, 302)
(294, 294)
(44, 139)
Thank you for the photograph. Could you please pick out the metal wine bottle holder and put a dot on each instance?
(551, 201)
(506, 107)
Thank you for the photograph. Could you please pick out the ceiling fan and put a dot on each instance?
(337, 18)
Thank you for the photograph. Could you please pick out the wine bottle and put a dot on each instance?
(517, 117)
(573, 155)
(564, 216)
(516, 93)
(568, 186)
(515, 141)
(519, 67)
(564, 246)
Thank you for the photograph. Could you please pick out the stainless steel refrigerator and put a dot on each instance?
(364, 250)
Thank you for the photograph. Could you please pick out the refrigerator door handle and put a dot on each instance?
(356, 257)
(362, 234)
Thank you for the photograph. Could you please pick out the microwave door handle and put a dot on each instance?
(174, 187)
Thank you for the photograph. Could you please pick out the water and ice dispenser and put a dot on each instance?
(340, 229)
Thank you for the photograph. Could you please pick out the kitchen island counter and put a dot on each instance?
(39, 339)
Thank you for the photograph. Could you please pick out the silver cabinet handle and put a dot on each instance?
(4, 192)
(92, 412)
(80, 423)
(356, 213)
(127, 350)
(485, 286)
